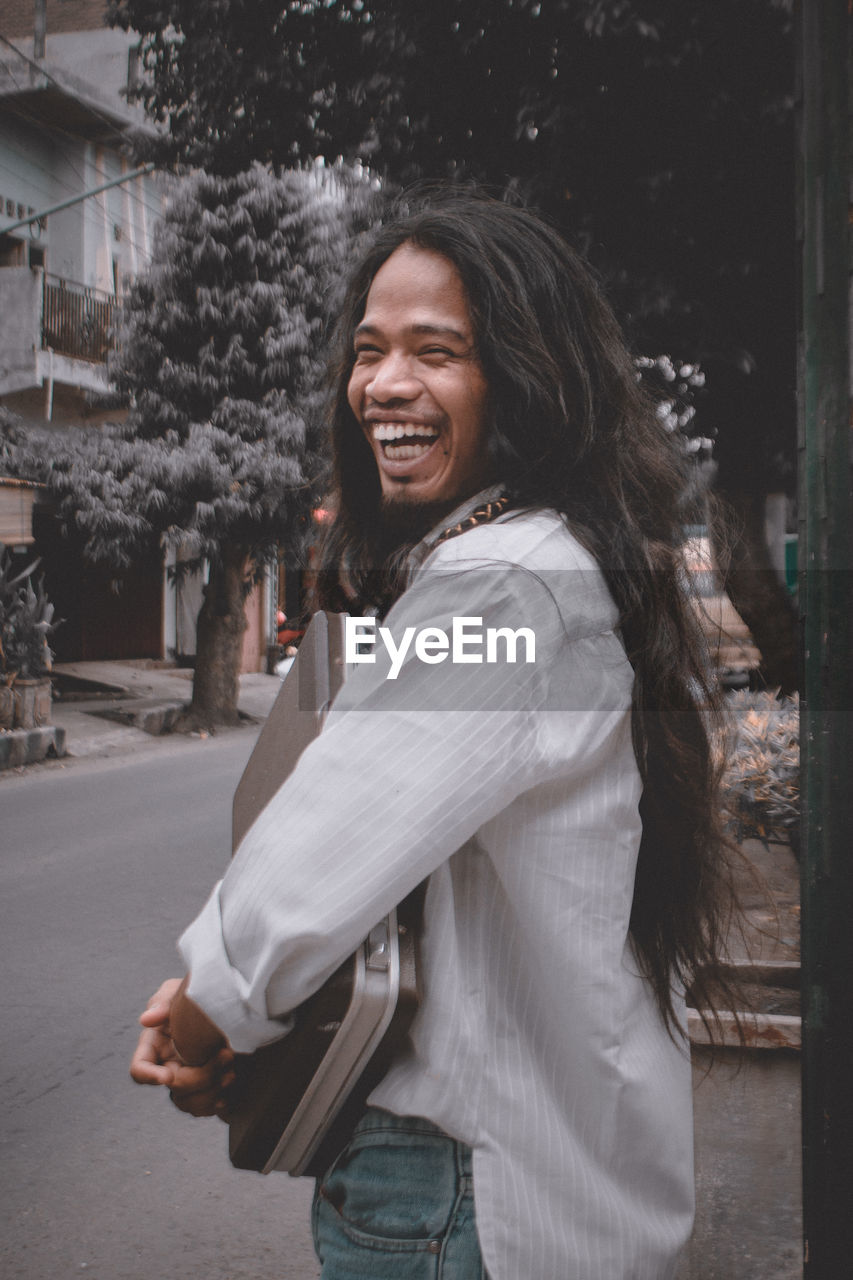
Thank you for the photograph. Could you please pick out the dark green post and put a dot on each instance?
(825, 574)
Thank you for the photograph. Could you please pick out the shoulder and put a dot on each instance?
(532, 554)
(533, 539)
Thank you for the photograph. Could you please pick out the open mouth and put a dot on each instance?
(404, 441)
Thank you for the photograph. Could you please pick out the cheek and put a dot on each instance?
(358, 380)
(476, 432)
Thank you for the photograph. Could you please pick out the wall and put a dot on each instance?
(100, 242)
(37, 171)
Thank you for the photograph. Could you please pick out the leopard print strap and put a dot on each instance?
(482, 515)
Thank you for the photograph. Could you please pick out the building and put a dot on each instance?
(68, 88)
(65, 108)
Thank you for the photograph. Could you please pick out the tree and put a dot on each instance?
(656, 133)
(220, 355)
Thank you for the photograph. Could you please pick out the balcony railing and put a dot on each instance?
(77, 321)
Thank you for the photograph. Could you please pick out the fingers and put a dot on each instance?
(153, 1059)
(166, 992)
(157, 1009)
(201, 1091)
(196, 1090)
(150, 1073)
(225, 1060)
(156, 1015)
(197, 1104)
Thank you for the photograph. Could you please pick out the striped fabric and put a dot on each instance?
(514, 786)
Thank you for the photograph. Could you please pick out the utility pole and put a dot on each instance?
(826, 610)
(39, 29)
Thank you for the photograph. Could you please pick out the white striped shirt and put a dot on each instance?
(514, 787)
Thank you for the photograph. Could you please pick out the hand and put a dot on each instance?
(155, 1059)
(198, 1090)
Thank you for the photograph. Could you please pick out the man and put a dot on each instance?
(497, 464)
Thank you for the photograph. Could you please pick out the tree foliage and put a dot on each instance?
(220, 354)
(657, 134)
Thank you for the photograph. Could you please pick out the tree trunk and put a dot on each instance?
(756, 592)
(219, 643)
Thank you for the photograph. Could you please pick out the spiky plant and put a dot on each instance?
(11, 604)
(26, 653)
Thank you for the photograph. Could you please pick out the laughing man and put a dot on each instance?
(495, 459)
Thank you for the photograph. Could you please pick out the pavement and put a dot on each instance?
(113, 708)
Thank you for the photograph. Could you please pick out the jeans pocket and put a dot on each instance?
(393, 1190)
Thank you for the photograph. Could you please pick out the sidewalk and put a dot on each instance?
(112, 708)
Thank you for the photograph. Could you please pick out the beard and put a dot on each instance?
(369, 572)
(381, 577)
(401, 525)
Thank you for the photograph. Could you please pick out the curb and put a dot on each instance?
(155, 718)
(30, 746)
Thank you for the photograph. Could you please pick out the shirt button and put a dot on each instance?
(434, 1246)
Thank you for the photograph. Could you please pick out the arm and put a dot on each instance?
(404, 773)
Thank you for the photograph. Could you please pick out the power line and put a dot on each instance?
(72, 200)
(91, 218)
(150, 208)
(37, 66)
(29, 116)
(153, 211)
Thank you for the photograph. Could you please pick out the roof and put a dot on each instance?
(62, 16)
(56, 99)
(49, 93)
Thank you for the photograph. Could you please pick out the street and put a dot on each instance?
(102, 863)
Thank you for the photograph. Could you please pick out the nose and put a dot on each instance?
(392, 378)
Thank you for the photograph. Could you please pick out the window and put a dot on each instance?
(134, 72)
(11, 251)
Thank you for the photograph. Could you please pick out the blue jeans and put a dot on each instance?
(398, 1204)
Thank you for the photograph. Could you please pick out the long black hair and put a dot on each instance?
(573, 430)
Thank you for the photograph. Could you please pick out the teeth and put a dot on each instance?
(384, 431)
(404, 452)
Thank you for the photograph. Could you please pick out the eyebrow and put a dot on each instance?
(433, 330)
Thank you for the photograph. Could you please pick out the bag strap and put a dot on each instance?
(411, 909)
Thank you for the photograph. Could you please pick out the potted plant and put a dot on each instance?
(747, 1099)
(10, 603)
(26, 621)
(762, 779)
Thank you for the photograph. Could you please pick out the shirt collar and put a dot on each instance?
(422, 549)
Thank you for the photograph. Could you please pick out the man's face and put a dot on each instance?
(417, 387)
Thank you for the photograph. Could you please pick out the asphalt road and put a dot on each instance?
(101, 864)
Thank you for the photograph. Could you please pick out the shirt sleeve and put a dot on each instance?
(408, 767)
